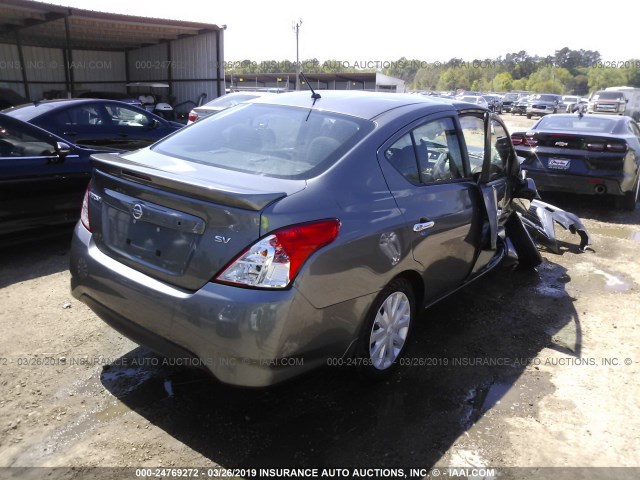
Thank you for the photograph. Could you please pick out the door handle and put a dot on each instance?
(70, 134)
(424, 225)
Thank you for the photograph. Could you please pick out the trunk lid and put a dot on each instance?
(176, 220)
(597, 152)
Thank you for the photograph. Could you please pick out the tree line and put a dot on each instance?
(568, 71)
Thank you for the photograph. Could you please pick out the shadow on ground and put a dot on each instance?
(34, 254)
(466, 353)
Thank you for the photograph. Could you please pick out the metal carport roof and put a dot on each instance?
(46, 25)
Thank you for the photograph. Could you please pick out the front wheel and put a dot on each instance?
(383, 340)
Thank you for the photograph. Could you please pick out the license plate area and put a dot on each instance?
(150, 234)
(558, 163)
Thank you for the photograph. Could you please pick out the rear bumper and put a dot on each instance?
(242, 336)
(571, 183)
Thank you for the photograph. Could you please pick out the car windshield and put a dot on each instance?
(608, 96)
(546, 98)
(470, 99)
(568, 123)
(269, 140)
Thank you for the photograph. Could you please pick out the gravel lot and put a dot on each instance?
(517, 370)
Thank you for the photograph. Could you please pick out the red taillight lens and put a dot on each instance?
(527, 141)
(193, 116)
(274, 261)
(84, 213)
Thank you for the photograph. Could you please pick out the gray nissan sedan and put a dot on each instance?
(299, 230)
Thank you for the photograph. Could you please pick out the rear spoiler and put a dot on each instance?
(202, 189)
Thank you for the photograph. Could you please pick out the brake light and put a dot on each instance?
(274, 261)
(611, 147)
(527, 141)
(193, 116)
(617, 147)
(84, 213)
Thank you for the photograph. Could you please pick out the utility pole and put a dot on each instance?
(296, 28)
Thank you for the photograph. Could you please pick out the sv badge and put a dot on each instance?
(221, 239)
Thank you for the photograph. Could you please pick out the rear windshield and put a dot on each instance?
(230, 100)
(585, 123)
(29, 111)
(269, 140)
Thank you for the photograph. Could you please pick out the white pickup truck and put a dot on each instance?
(616, 101)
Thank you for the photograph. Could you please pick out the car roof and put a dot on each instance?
(29, 111)
(366, 105)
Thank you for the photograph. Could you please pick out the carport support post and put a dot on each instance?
(69, 63)
(23, 67)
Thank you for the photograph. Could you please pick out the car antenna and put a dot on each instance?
(314, 94)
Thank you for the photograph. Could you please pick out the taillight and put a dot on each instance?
(274, 261)
(517, 140)
(193, 116)
(595, 146)
(527, 141)
(84, 213)
(617, 147)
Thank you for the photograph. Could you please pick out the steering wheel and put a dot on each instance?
(440, 169)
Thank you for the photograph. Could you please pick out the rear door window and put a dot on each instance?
(429, 153)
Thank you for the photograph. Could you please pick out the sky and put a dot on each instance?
(378, 32)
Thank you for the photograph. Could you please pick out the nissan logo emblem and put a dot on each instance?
(137, 211)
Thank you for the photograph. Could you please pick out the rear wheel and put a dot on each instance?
(528, 115)
(383, 340)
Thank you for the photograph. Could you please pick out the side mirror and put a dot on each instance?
(154, 123)
(62, 149)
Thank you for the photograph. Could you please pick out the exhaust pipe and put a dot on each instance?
(600, 189)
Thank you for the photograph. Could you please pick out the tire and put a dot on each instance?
(629, 200)
(529, 116)
(374, 359)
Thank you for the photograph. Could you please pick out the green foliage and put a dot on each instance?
(503, 82)
(550, 80)
(567, 71)
(600, 78)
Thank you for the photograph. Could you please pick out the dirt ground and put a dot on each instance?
(521, 369)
